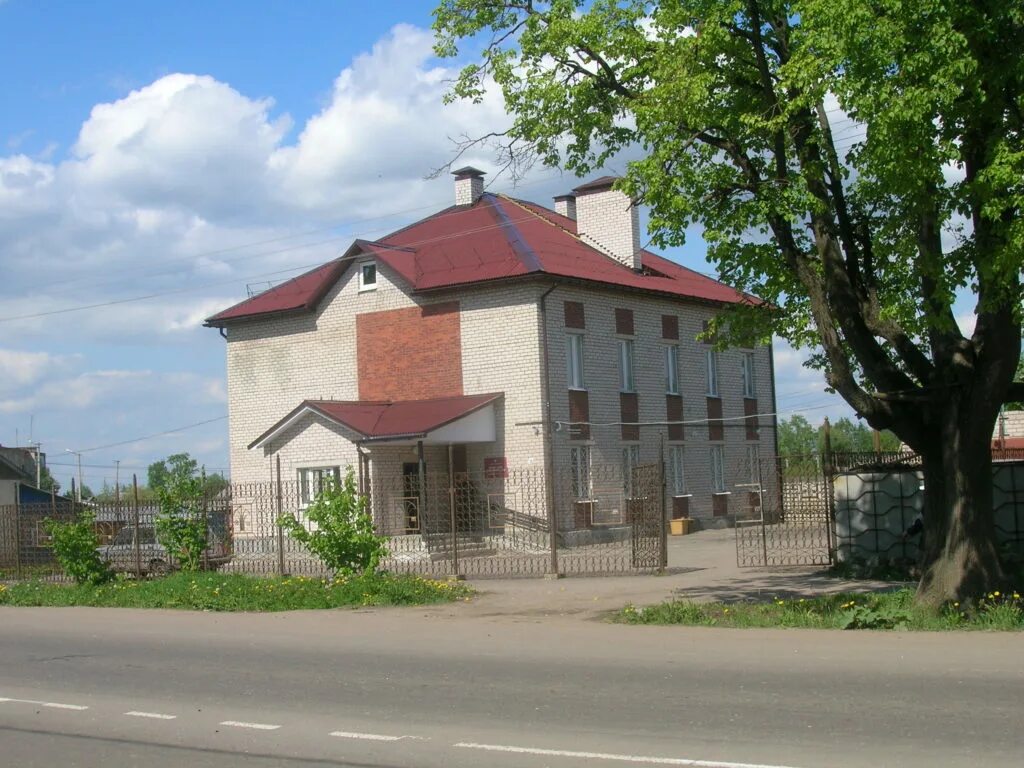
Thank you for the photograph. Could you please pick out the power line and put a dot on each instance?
(150, 437)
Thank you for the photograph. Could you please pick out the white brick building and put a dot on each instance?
(499, 335)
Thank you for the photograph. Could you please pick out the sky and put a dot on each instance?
(159, 161)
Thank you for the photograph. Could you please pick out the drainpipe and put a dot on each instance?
(549, 469)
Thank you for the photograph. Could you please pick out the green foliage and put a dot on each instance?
(181, 525)
(47, 481)
(797, 437)
(75, 545)
(175, 466)
(233, 592)
(880, 611)
(341, 534)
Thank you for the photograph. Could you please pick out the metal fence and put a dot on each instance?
(488, 524)
(841, 506)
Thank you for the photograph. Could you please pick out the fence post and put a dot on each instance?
(135, 526)
(451, 511)
(663, 506)
(280, 530)
(828, 466)
(17, 538)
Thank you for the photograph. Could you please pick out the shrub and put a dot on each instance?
(341, 535)
(181, 524)
(76, 547)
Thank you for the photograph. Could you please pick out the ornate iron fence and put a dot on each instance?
(487, 524)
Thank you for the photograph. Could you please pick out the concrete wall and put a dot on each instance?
(873, 509)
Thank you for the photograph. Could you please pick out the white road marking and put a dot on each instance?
(50, 704)
(622, 758)
(367, 736)
(154, 715)
(255, 726)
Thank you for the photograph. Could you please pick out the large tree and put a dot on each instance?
(856, 163)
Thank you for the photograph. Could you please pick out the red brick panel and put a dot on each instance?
(624, 322)
(579, 411)
(574, 315)
(629, 410)
(674, 412)
(750, 411)
(410, 354)
(720, 504)
(680, 507)
(716, 429)
(670, 327)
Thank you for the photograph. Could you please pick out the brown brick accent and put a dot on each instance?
(579, 410)
(629, 410)
(716, 428)
(624, 322)
(750, 411)
(720, 504)
(670, 327)
(674, 412)
(680, 507)
(575, 317)
(410, 354)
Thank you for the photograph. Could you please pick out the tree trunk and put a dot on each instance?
(961, 556)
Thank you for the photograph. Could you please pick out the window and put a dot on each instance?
(311, 481)
(367, 276)
(579, 459)
(630, 460)
(712, 367)
(717, 469)
(677, 476)
(753, 464)
(672, 369)
(749, 385)
(626, 381)
(574, 360)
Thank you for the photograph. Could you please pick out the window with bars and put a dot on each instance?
(311, 481)
(672, 369)
(753, 464)
(711, 357)
(574, 361)
(579, 461)
(627, 381)
(677, 473)
(718, 469)
(630, 460)
(747, 372)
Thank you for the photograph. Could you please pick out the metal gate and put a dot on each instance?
(649, 544)
(788, 519)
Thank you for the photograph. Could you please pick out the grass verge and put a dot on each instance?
(883, 610)
(234, 592)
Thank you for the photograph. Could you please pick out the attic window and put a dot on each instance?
(368, 276)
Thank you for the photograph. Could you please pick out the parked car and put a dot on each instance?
(152, 557)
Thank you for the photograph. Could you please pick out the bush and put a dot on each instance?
(181, 524)
(343, 537)
(76, 547)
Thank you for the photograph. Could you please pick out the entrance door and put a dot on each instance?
(411, 496)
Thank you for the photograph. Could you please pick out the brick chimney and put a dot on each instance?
(469, 185)
(566, 205)
(608, 220)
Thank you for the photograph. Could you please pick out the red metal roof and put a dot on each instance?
(495, 238)
(378, 419)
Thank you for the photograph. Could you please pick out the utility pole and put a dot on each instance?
(117, 481)
(78, 496)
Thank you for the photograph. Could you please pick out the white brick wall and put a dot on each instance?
(608, 220)
(601, 370)
(1012, 424)
(274, 364)
(468, 189)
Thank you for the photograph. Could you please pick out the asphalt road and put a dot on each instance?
(92, 687)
